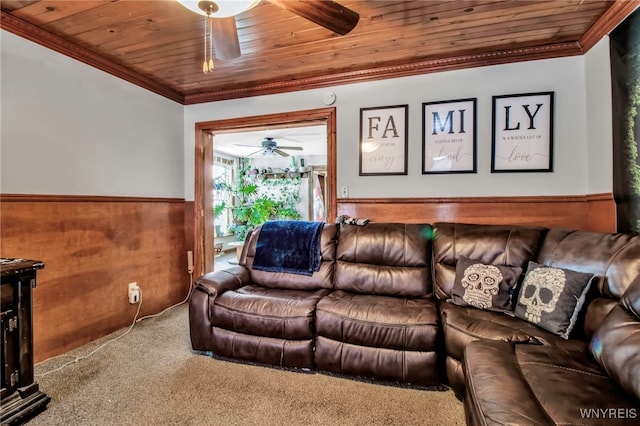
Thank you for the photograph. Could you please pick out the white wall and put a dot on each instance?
(565, 76)
(68, 128)
(599, 118)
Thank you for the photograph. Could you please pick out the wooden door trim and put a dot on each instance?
(204, 150)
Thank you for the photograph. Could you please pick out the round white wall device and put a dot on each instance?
(329, 98)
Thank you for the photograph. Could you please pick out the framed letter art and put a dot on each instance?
(522, 133)
(449, 136)
(383, 140)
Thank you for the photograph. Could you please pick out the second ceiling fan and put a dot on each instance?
(328, 14)
(270, 147)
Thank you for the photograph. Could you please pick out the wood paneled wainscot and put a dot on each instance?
(93, 247)
(590, 212)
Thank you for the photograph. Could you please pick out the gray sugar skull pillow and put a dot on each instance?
(484, 286)
(551, 298)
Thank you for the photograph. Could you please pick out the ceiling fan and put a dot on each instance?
(270, 147)
(224, 34)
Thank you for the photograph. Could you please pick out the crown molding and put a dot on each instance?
(617, 13)
(393, 71)
(56, 43)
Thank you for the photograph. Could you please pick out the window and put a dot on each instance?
(224, 171)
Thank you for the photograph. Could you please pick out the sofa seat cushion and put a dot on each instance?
(464, 324)
(268, 312)
(510, 383)
(378, 321)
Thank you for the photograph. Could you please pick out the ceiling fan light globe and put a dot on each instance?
(219, 8)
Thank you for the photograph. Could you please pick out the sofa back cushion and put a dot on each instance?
(616, 343)
(385, 259)
(503, 245)
(323, 278)
(613, 259)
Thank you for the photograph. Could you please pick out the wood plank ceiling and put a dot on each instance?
(159, 44)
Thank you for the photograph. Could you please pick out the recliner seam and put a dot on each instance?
(537, 401)
(236, 311)
(471, 388)
(376, 322)
(506, 247)
(574, 370)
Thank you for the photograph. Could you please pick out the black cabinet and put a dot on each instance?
(20, 397)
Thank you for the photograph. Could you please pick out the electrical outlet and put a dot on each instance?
(344, 191)
(134, 293)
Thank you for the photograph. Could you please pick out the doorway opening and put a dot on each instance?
(261, 150)
(258, 175)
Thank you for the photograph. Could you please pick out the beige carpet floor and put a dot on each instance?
(151, 377)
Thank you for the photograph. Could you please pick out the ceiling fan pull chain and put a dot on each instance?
(205, 66)
(210, 43)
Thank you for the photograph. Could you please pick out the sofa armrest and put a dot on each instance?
(207, 288)
(215, 283)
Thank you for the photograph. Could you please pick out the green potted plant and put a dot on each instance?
(218, 209)
(286, 194)
(288, 213)
(243, 193)
(251, 207)
(244, 211)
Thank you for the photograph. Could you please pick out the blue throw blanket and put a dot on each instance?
(291, 246)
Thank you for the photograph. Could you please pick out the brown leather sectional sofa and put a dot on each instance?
(514, 372)
(413, 304)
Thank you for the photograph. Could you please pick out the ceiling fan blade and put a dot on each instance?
(225, 38)
(296, 148)
(294, 140)
(241, 144)
(328, 14)
(281, 153)
(254, 153)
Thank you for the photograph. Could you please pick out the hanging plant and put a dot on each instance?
(257, 199)
(631, 138)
